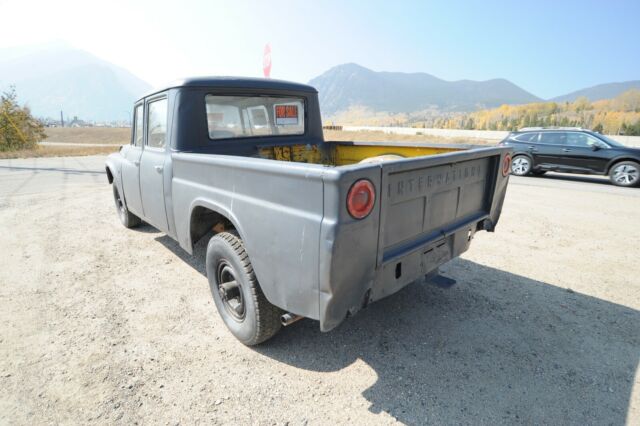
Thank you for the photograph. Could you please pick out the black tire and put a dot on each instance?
(128, 219)
(521, 165)
(243, 307)
(625, 173)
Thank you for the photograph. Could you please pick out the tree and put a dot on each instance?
(18, 128)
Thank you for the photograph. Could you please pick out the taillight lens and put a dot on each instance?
(506, 165)
(361, 198)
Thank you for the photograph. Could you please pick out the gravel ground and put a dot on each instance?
(100, 324)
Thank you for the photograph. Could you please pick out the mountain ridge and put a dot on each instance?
(51, 79)
(352, 85)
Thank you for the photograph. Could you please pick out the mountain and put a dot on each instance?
(599, 92)
(349, 85)
(50, 78)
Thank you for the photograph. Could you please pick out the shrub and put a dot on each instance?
(18, 128)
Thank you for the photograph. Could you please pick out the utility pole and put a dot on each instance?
(61, 119)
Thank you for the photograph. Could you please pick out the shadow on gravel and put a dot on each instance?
(496, 347)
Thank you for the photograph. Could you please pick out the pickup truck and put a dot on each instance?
(299, 227)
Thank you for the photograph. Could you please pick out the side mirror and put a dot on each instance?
(594, 147)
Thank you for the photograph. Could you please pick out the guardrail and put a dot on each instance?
(490, 135)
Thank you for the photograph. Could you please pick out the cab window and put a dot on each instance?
(157, 123)
(138, 135)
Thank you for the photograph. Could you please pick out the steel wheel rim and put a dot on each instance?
(626, 174)
(230, 291)
(520, 166)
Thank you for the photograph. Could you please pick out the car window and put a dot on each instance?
(527, 137)
(230, 117)
(157, 123)
(553, 138)
(137, 126)
(584, 140)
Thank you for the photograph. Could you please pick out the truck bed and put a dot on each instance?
(311, 257)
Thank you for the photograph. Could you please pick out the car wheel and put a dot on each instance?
(625, 173)
(521, 165)
(128, 219)
(243, 307)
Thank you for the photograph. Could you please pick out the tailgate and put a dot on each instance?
(425, 199)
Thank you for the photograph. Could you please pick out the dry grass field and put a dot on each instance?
(105, 135)
(59, 151)
(121, 136)
(111, 138)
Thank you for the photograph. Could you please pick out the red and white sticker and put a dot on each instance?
(286, 114)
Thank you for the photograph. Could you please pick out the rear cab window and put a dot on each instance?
(235, 117)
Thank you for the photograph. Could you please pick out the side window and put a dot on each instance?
(157, 124)
(553, 138)
(584, 140)
(527, 137)
(137, 126)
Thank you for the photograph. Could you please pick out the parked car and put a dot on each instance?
(299, 226)
(572, 150)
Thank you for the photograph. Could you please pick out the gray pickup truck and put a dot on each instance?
(300, 227)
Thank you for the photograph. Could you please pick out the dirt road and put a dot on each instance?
(107, 325)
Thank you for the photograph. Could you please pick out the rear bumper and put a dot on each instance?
(395, 273)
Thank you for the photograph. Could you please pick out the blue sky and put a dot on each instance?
(547, 47)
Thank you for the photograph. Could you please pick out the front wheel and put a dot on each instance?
(521, 165)
(243, 307)
(625, 173)
(128, 219)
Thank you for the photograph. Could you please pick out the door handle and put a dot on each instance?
(136, 162)
(566, 150)
(158, 168)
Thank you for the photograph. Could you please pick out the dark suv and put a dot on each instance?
(539, 150)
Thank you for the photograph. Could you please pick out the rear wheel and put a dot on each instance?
(625, 173)
(128, 219)
(521, 165)
(243, 307)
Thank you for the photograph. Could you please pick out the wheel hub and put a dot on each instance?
(230, 291)
(520, 166)
(626, 174)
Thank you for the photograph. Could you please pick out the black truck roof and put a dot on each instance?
(235, 82)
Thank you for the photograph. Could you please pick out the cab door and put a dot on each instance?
(152, 163)
(551, 149)
(131, 165)
(586, 153)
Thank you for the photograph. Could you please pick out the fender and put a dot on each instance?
(619, 159)
(213, 206)
(112, 166)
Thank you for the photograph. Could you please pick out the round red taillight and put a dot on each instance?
(360, 199)
(506, 165)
